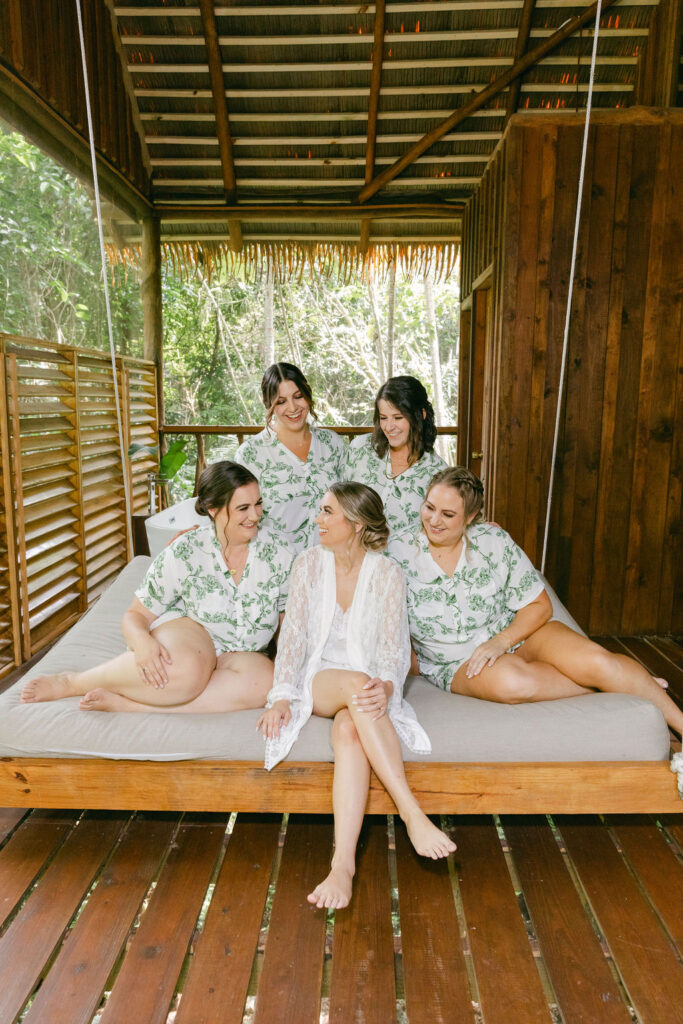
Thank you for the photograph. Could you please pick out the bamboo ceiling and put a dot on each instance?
(280, 125)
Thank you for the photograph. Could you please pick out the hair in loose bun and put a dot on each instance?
(407, 395)
(218, 483)
(467, 484)
(361, 504)
(274, 376)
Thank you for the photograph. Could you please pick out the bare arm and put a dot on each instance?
(527, 620)
(151, 657)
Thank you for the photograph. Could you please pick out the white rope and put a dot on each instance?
(565, 343)
(103, 257)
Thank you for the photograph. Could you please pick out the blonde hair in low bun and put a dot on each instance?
(361, 504)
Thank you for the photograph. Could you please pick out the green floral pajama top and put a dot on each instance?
(450, 616)
(402, 495)
(190, 578)
(292, 489)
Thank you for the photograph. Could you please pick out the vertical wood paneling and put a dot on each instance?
(616, 543)
(62, 503)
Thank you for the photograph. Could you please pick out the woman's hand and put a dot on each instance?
(273, 719)
(487, 654)
(151, 659)
(374, 697)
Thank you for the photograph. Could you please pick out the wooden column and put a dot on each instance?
(659, 59)
(150, 292)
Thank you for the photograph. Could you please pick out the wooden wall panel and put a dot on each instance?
(63, 533)
(616, 541)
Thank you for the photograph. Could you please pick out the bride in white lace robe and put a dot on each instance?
(343, 653)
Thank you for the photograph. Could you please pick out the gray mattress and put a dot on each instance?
(598, 727)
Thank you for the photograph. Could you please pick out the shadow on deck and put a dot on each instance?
(115, 918)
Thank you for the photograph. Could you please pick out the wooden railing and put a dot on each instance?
(63, 530)
(240, 432)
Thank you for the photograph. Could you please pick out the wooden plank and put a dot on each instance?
(657, 664)
(25, 853)
(437, 990)
(642, 953)
(72, 990)
(596, 787)
(672, 649)
(290, 982)
(509, 984)
(582, 981)
(656, 866)
(41, 923)
(656, 400)
(10, 817)
(480, 99)
(220, 968)
(362, 986)
(149, 973)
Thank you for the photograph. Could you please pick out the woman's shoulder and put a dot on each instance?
(250, 449)
(404, 545)
(432, 462)
(328, 437)
(273, 550)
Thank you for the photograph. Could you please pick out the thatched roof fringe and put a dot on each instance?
(287, 260)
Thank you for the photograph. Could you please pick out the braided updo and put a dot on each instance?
(360, 504)
(468, 486)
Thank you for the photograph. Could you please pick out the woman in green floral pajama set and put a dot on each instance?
(480, 616)
(208, 607)
(398, 459)
(294, 459)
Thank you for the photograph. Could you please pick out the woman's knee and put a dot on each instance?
(512, 684)
(193, 657)
(344, 732)
(601, 668)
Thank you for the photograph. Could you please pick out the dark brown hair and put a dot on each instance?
(270, 385)
(218, 483)
(361, 504)
(408, 395)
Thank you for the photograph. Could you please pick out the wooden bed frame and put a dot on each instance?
(582, 787)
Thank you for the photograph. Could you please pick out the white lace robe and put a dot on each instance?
(378, 641)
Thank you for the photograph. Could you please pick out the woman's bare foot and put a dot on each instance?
(104, 700)
(334, 891)
(53, 687)
(428, 840)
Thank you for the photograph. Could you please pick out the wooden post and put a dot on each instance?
(150, 293)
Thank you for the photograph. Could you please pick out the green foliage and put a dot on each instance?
(50, 269)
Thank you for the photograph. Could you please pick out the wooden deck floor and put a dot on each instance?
(120, 918)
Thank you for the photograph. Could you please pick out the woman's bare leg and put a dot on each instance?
(335, 689)
(510, 680)
(193, 662)
(349, 798)
(591, 665)
(240, 681)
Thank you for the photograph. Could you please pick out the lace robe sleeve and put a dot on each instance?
(293, 638)
(393, 649)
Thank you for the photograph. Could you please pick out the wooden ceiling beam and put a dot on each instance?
(521, 48)
(437, 63)
(416, 7)
(319, 161)
(222, 118)
(426, 181)
(373, 108)
(483, 97)
(354, 39)
(187, 214)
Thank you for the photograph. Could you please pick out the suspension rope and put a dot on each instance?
(103, 257)
(570, 295)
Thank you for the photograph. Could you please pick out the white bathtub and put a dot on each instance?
(162, 527)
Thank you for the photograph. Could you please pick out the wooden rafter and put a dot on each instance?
(481, 98)
(521, 46)
(222, 118)
(373, 108)
(311, 212)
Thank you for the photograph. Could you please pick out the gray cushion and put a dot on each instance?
(598, 727)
